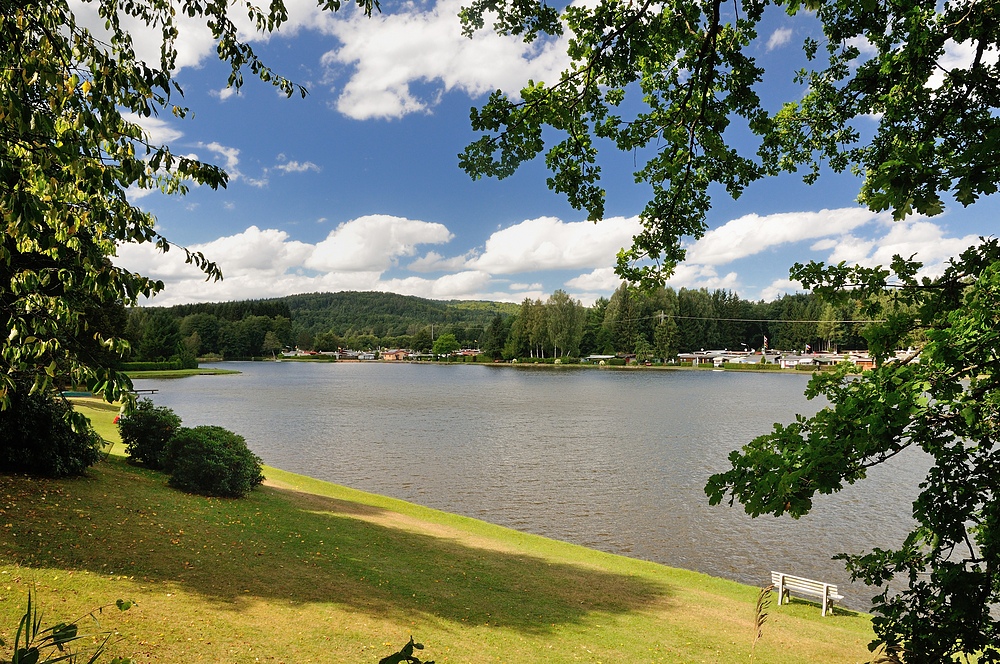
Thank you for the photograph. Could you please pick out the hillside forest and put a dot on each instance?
(659, 324)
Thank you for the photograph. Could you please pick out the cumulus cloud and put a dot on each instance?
(374, 243)
(751, 234)
(195, 42)
(690, 275)
(358, 254)
(435, 262)
(158, 132)
(387, 55)
(920, 238)
(959, 55)
(380, 253)
(265, 263)
(779, 38)
(780, 287)
(547, 243)
(603, 279)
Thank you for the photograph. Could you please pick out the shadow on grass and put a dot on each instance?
(281, 545)
(837, 611)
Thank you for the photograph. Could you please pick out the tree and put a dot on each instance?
(446, 344)
(537, 326)
(621, 320)
(272, 344)
(564, 318)
(665, 339)
(495, 337)
(323, 342)
(70, 150)
(827, 329)
(590, 337)
(943, 399)
(686, 73)
(161, 337)
(643, 351)
(422, 340)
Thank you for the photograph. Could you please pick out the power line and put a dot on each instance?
(662, 315)
(766, 320)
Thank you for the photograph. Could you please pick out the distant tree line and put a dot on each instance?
(663, 323)
(651, 324)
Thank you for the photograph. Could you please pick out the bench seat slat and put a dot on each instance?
(785, 584)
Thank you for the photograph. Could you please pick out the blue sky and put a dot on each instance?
(357, 186)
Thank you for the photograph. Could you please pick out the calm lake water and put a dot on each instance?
(615, 460)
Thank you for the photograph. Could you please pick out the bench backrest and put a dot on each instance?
(802, 585)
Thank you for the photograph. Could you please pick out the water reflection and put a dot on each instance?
(614, 460)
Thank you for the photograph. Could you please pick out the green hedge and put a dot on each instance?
(737, 366)
(171, 365)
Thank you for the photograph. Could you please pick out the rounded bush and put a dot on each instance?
(146, 431)
(212, 461)
(40, 434)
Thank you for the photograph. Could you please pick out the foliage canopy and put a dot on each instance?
(72, 149)
(677, 83)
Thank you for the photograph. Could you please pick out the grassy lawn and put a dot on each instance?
(306, 571)
(180, 373)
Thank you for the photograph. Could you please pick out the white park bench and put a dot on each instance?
(785, 584)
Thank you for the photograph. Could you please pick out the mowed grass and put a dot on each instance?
(180, 373)
(306, 571)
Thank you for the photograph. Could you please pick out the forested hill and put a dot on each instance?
(385, 314)
(350, 312)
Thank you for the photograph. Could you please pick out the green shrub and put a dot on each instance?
(212, 461)
(40, 434)
(146, 431)
(167, 365)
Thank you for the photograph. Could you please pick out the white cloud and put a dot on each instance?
(780, 287)
(603, 279)
(435, 262)
(779, 38)
(231, 164)
(920, 238)
(268, 263)
(958, 55)
(374, 242)
(387, 54)
(547, 243)
(459, 286)
(690, 275)
(523, 287)
(195, 42)
(752, 234)
(157, 131)
(224, 93)
(297, 167)
(230, 156)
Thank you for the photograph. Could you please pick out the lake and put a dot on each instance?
(611, 459)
